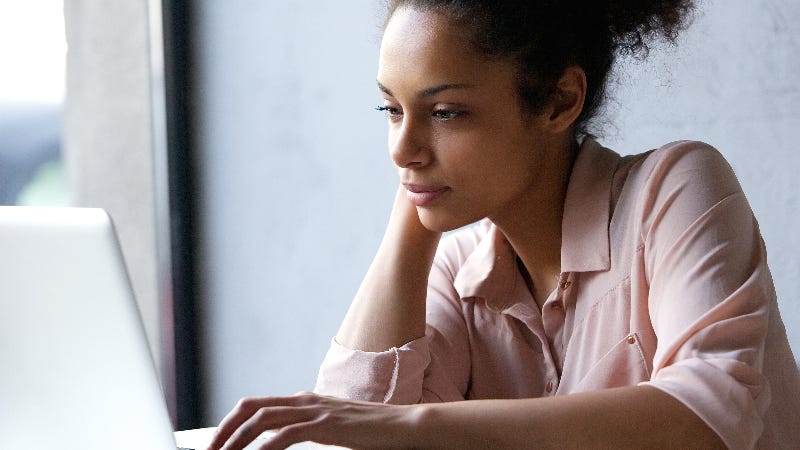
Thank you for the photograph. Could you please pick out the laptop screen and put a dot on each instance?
(77, 372)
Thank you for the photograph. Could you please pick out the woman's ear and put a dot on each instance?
(567, 102)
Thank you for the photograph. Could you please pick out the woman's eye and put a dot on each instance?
(391, 111)
(447, 114)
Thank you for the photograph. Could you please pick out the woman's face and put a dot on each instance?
(462, 145)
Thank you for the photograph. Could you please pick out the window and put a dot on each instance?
(33, 53)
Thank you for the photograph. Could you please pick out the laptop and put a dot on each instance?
(75, 368)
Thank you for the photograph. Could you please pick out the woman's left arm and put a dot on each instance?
(629, 417)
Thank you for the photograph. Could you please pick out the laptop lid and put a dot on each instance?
(76, 371)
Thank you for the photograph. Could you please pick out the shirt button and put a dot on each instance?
(549, 387)
(631, 339)
(565, 284)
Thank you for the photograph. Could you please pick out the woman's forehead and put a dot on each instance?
(424, 48)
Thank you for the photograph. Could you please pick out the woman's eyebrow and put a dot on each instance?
(427, 92)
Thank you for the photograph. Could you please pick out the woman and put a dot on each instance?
(600, 301)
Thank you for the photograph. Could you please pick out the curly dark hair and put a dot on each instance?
(544, 37)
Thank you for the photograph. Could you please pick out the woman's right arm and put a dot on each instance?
(389, 308)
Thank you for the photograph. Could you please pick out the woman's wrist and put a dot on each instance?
(419, 421)
(445, 425)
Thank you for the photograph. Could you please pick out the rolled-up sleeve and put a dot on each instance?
(387, 377)
(710, 292)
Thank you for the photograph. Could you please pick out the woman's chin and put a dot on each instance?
(442, 223)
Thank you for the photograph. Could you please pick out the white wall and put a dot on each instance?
(297, 185)
(297, 181)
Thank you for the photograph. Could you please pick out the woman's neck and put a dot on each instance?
(532, 225)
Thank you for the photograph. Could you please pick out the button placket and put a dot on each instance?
(552, 385)
(565, 280)
(553, 315)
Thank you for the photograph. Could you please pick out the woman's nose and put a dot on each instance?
(409, 147)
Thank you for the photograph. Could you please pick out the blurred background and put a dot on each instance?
(32, 53)
(236, 146)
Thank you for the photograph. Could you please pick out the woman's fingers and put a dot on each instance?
(239, 414)
(238, 420)
(292, 434)
(268, 418)
(311, 417)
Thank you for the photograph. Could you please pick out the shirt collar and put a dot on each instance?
(585, 244)
(491, 271)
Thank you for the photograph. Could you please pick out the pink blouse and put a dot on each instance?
(664, 282)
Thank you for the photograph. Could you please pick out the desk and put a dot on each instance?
(199, 438)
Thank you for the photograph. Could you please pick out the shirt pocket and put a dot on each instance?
(623, 365)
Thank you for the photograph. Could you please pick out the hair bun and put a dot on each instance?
(634, 23)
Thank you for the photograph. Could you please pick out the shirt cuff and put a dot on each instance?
(392, 376)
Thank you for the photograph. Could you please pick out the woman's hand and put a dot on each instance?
(311, 417)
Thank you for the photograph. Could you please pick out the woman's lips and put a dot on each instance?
(420, 195)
